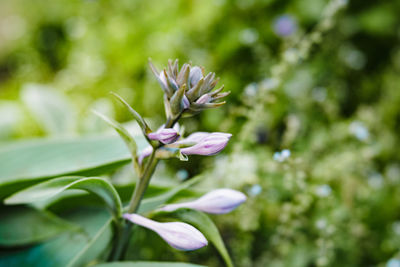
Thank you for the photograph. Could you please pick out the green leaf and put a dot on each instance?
(147, 264)
(153, 203)
(45, 158)
(205, 225)
(50, 108)
(72, 199)
(73, 248)
(24, 225)
(142, 123)
(125, 135)
(51, 188)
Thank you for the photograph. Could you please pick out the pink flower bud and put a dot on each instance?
(179, 235)
(211, 144)
(164, 135)
(219, 201)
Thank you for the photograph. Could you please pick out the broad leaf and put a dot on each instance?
(147, 264)
(205, 225)
(71, 199)
(24, 225)
(74, 248)
(51, 188)
(25, 163)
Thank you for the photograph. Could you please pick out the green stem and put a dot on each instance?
(143, 183)
(124, 234)
(124, 231)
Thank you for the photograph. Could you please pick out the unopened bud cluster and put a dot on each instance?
(188, 90)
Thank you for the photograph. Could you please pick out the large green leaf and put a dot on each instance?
(24, 225)
(148, 264)
(205, 225)
(51, 188)
(25, 163)
(73, 248)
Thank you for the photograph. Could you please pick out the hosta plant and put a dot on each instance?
(40, 190)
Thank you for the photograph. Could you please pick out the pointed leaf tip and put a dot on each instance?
(142, 123)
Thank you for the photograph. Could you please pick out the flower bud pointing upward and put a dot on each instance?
(179, 235)
(195, 75)
(219, 201)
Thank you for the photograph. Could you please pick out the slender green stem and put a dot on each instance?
(124, 229)
(143, 183)
(140, 188)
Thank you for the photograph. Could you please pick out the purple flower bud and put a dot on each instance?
(192, 139)
(203, 99)
(219, 201)
(196, 137)
(145, 153)
(195, 75)
(209, 145)
(163, 79)
(285, 25)
(185, 101)
(179, 235)
(164, 135)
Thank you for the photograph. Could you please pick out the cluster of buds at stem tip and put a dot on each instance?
(187, 90)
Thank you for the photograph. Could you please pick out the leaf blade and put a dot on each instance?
(147, 264)
(43, 159)
(24, 225)
(51, 188)
(95, 224)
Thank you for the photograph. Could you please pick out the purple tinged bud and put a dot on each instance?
(195, 75)
(211, 144)
(185, 101)
(194, 138)
(163, 79)
(219, 201)
(145, 153)
(203, 99)
(164, 135)
(179, 235)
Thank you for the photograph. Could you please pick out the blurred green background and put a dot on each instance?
(334, 202)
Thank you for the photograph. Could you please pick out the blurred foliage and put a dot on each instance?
(334, 202)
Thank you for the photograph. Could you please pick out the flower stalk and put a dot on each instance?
(137, 196)
(186, 92)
